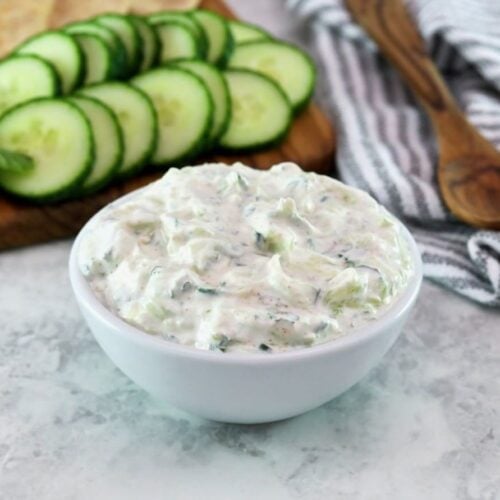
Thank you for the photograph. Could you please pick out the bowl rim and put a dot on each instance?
(85, 296)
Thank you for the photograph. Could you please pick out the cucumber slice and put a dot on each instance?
(217, 86)
(261, 114)
(57, 135)
(108, 142)
(185, 112)
(246, 32)
(288, 66)
(137, 120)
(15, 162)
(107, 36)
(216, 28)
(62, 52)
(150, 43)
(128, 34)
(25, 77)
(188, 22)
(177, 42)
(98, 58)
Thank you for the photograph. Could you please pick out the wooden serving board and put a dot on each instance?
(310, 143)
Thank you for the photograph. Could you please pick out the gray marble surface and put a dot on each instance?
(425, 424)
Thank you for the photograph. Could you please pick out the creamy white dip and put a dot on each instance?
(230, 258)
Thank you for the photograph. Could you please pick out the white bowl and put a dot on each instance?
(243, 388)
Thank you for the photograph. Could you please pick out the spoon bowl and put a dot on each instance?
(471, 188)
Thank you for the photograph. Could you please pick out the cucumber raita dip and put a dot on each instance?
(230, 258)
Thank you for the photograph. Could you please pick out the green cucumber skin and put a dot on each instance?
(133, 169)
(142, 162)
(300, 105)
(118, 49)
(54, 75)
(132, 65)
(228, 114)
(203, 49)
(81, 69)
(204, 141)
(70, 189)
(198, 33)
(276, 141)
(158, 26)
(224, 56)
(211, 141)
(109, 69)
(157, 44)
(119, 156)
(200, 146)
(254, 27)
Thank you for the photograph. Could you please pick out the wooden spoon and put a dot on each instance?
(469, 166)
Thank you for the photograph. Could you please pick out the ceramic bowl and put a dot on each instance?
(237, 387)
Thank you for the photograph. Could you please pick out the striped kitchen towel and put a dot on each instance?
(386, 144)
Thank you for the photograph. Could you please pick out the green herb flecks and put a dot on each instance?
(221, 343)
(208, 291)
(348, 262)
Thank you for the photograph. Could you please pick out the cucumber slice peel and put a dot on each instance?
(287, 65)
(108, 142)
(26, 77)
(136, 117)
(177, 42)
(15, 162)
(185, 112)
(261, 113)
(57, 135)
(59, 49)
(247, 32)
(129, 36)
(150, 43)
(107, 36)
(217, 86)
(188, 22)
(98, 57)
(220, 40)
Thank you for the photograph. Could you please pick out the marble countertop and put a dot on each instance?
(425, 424)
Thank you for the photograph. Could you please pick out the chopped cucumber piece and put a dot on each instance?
(107, 36)
(150, 43)
(217, 86)
(108, 142)
(260, 112)
(177, 42)
(129, 36)
(98, 58)
(220, 40)
(288, 66)
(246, 32)
(185, 112)
(15, 162)
(25, 77)
(137, 120)
(62, 52)
(57, 135)
(188, 22)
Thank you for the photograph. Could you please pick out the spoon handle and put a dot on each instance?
(392, 28)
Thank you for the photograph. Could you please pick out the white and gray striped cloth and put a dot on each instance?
(386, 144)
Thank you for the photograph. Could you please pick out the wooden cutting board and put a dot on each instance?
(310, 143)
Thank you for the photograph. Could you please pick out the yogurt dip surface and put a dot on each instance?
(229, 258)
